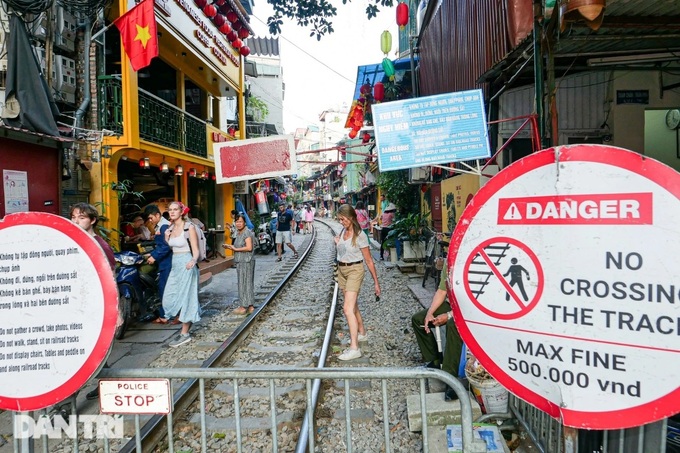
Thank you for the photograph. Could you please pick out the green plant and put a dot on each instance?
(256, 107)
(413, 227)
(394, 184)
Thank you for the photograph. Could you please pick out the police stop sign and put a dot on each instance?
(565, 271)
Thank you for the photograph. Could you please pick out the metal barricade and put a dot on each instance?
(550, 436)
(309, 376)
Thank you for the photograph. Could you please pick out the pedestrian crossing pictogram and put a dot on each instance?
(504, 278)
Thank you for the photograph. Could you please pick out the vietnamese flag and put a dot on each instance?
(138, 32)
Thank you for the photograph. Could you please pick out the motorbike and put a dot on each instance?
(264, 237)
(138, 297)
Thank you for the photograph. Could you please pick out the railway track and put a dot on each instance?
(246, 387)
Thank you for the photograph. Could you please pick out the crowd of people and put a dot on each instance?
(175, 252)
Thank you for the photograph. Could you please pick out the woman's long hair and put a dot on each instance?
(348, 212)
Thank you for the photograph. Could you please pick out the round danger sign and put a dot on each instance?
(58, 309)
(565, 271)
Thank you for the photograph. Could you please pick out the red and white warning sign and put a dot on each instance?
(58, 309)
(564, 269)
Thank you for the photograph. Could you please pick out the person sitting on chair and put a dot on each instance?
(438, 314)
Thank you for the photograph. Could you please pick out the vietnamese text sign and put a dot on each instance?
(564, 269)
(431, 130)
(256, 158)
(58, 306)
(134, 396)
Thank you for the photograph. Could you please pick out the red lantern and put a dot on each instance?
(358, 115)
(243, 33)
(201, 3)
(379, 91)
(219, 20)
(231, 36)
(224, 9)
(220, 2)
(402, 15)
(237, 25)
(236, 43)
(367, 138)
(244, 50)
(210, 10)
(353, 133)
(232, 17)
(225, 28)
(365, 88)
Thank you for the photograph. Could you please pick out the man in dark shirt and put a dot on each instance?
(284, 231)
(162, 253)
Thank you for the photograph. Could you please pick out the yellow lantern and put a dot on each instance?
(386, 42)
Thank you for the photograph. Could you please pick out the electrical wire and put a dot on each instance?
(86, 8)
(308, 54)
(29, 6)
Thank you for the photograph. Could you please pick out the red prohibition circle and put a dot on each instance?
(97, 355)
(539, 279)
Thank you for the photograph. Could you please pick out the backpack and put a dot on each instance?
(201, 240)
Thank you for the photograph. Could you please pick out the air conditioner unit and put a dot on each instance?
(419, 175)
(66, 31)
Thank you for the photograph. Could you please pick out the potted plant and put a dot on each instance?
(412, 231)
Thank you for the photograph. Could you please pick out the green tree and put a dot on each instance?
(316, 15)
(257, 108)
(395, 186)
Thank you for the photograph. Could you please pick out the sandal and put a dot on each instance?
(250, 309)
(175, 321)
(278, 259)
(159, 321)
(240, 311)
(296, 256)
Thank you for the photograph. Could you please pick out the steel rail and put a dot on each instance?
(156, 428)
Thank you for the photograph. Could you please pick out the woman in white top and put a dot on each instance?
(181, 292)
(352, 252)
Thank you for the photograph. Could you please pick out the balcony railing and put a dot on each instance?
(159, 121)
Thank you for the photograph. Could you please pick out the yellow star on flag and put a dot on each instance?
(142, 35)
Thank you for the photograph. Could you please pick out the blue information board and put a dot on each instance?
(431, 130)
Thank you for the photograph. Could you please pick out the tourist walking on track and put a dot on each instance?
(244, 257)
(284, 231)
(352, 252)
(181, 293)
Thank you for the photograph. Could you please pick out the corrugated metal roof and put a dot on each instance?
(466, 43)
(264, 46)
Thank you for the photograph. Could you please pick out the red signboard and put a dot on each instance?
(257, 158)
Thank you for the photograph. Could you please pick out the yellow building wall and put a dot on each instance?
(456, 194)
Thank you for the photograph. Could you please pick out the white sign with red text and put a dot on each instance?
(564, 269)
(134, 396)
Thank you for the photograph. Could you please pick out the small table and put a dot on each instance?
(212, 237)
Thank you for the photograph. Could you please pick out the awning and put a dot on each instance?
(374, 73)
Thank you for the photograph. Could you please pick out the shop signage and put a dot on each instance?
(58, 305)
(431, 130)
(189, 25)
(256, 158)
(564, 269)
